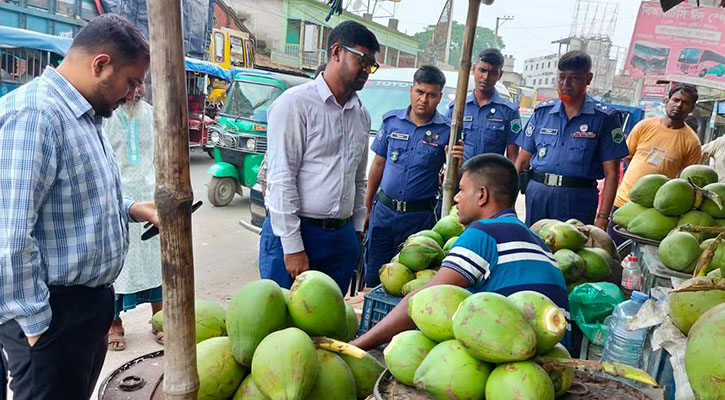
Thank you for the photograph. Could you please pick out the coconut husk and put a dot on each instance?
(707, 255)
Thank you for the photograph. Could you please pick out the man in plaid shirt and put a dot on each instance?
(63, 220)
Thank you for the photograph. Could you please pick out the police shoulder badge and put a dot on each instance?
(529, 130)
(617, 135)
(516, 126)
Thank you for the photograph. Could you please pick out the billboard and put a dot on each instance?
(685, 44)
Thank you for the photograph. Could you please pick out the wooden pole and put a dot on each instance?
(173, 197)
(450, 182)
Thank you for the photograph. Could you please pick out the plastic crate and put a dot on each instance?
(378, 304)
(657, 365)
(654, 273)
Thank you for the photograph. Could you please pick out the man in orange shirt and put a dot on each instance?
(661, 145)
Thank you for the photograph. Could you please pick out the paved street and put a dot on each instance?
(225, 257)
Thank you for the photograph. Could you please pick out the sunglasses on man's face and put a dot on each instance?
(365, 60)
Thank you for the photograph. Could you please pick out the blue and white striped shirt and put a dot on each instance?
(63, 220)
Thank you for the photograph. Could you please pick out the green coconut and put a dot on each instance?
(405, 353)
(209, 317)
(679, 250)
(644, 190)
(454, 211)
(449, 372)
(705, 355)
(524, 380)
(625, 214)
(700, 175)
(448, 227)
(719, 222)
(352, 322)
(571, 264)
(449, 244)
(394, 276)
(248, 390)
(545, 318)
(696, 218)
(599, 238)
(316, 305)
(425, 274)
(334, 381)
(692, 298)
(575, 222)
(366, 371)
(433, 307)
(675, 198)
(492, 329)
(420, 252)
(255, 311)
(652, 224)
(562, 377)
(219, 373)
(710, 206)
(538, 225)
(564, 236)
(431, 234)
(285, 365)
(413, 285)
(597, 263)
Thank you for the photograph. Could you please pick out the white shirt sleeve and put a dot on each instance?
(286, 133)
(361, 183)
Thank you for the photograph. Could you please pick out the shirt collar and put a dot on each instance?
(506, 212)
(587, 107)
(72, 97)
(496, 98)
(325, 93)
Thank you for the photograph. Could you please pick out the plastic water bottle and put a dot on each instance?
(631, 275)
(623, 345)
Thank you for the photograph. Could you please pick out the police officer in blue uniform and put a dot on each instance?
(409, 154)
(490, 123)
(569, 143)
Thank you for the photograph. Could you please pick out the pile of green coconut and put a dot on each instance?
(420, 256)
(584, 253)
(273, 343)
(677, 212)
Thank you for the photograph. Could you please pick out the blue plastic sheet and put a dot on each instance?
(14, 37)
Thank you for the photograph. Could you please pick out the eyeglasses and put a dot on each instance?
(365, 60)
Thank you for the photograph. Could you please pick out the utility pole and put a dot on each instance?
(495, 33)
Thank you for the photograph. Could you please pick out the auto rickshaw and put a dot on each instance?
(200, 81)
(239, 135)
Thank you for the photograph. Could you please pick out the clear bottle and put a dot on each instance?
(623, 345)
(631, 275)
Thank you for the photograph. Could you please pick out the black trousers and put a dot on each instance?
(66, 361)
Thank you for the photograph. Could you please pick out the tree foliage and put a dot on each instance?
(484, 39)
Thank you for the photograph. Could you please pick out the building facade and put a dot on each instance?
(540, 71)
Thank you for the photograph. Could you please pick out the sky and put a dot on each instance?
(535, 25)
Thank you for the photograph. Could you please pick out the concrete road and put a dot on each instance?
(225, 258)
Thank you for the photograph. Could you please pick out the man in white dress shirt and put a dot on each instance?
(317, 159)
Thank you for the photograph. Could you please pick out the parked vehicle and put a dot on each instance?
(200, 77)
(24, 55)
(385, 90)
(239, 135)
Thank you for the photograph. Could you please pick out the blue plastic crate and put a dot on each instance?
(378, 304)
(657, 364)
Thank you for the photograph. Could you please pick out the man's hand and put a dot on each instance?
(144, 211)
(361, 236)
(457, 151)
(601, 223)
(32, 340)
(296, 263)
(367, 219)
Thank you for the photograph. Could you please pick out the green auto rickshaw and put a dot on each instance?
(239, 135)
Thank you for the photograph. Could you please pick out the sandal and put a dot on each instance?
(116, 342)
(158, 336)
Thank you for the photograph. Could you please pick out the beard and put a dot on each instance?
(571, 98)
(100, 104)
(131, 108)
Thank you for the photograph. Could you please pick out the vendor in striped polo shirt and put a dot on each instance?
(496, 253)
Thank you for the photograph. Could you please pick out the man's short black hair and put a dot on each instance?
(115, 35)
(492, 56)
(685, 88)
(351, 34)
(575, 60)
(430, 74)
(497, 173)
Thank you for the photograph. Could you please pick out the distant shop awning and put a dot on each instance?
(14, 37)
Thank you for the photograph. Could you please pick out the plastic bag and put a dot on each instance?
(590, 304)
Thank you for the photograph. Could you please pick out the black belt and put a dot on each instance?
(406, 206)
(327, 224)
(563, 181)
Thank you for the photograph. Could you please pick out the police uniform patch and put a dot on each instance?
(617, 135)
(379, 135)
(584, 128)
(394, 156)
(529, 130)
(542, 152)
(400, 136)
(516, 126)
(467, 118)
